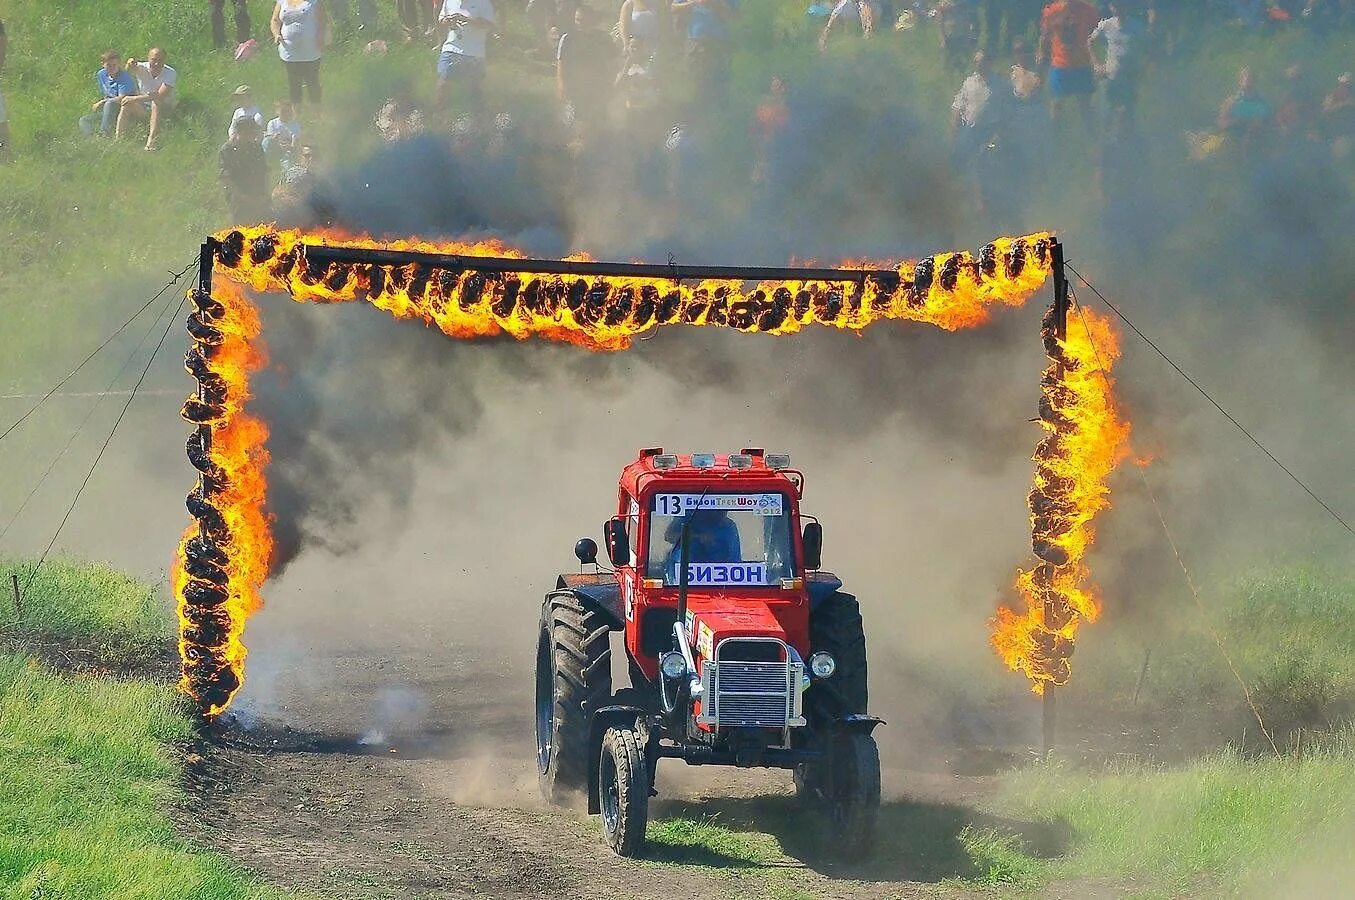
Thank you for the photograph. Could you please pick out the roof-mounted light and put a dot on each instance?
(703, 460)
(740, 461)
(664, 461)
(778, 460)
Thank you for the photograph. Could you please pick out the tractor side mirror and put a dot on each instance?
(813, 546)
(586, 550)
(614, 536)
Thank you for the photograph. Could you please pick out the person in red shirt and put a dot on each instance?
(1065, 26)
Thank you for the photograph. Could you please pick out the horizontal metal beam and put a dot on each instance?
(325, 254)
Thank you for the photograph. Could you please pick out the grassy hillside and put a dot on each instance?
(88, 763)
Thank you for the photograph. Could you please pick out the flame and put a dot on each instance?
(1086, 438)
(223, 559)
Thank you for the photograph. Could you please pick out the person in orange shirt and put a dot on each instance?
(1065, 26)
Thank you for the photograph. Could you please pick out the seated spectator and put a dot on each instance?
(244, 174)
(245, 108)
(156, 95)
(283, 135)
(1245, 114)
(114, 83)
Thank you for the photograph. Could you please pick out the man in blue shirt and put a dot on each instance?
(114, 82)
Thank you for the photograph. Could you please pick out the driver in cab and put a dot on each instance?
(712, 538)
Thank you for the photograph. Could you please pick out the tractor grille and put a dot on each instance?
(754, 694)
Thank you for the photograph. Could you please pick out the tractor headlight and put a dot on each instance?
(672, 665)
(822, 664)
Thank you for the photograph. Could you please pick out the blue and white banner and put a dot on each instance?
(724, 574)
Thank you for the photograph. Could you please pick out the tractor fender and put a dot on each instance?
(857, 724)
(820, 586)
(598, 593)
(605, 717)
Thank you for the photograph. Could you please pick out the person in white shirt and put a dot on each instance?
(971, 101)
(245, 108)
(298, 28)
(156, 94)
(463, 53)
(283, 135)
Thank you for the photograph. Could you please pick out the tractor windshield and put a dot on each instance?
(733, 539)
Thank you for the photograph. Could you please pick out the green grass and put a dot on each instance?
(87, 762)
(705, 841)
(1290, 632)
(1225, 820)
(102, 609)
(87, 778)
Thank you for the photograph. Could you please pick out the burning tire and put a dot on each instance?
(573, 679)
(853, 791)
(623, 790)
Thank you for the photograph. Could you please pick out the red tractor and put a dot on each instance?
(741, 652)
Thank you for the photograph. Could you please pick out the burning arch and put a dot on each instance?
(488, 288)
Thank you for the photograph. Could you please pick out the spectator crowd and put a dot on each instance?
(641, 74)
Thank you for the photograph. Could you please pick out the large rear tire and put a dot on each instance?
(573, 680)
(835, 626)
(623, 791)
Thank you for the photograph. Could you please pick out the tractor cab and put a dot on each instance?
(740, 650)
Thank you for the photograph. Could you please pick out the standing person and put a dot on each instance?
(710, 48)
(245, 108)
(299, 31)
(114, 83)
(416, 17)
(156, 95)
(863, 11)
(366, 14)
(1065, 27)
(1123, 36)
(244, 174)
(639, 20)
(462, 59)
(583, 77)
(242, 25)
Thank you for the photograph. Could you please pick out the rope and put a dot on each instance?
(107, 391)
(176, 276)
(1180, 560)
(112, 431)
(1205, 394)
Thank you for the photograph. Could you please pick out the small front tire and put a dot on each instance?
(623, 791)
(853, 791)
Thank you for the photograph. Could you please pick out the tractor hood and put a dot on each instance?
(711, 620)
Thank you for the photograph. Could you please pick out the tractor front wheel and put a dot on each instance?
(623, 790)
(853, 791)
(573, 680)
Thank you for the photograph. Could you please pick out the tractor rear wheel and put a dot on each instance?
(853, 791)
(573, 680)
(835, 627)
(623, 790)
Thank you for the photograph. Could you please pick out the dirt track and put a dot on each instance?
(450, 809)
